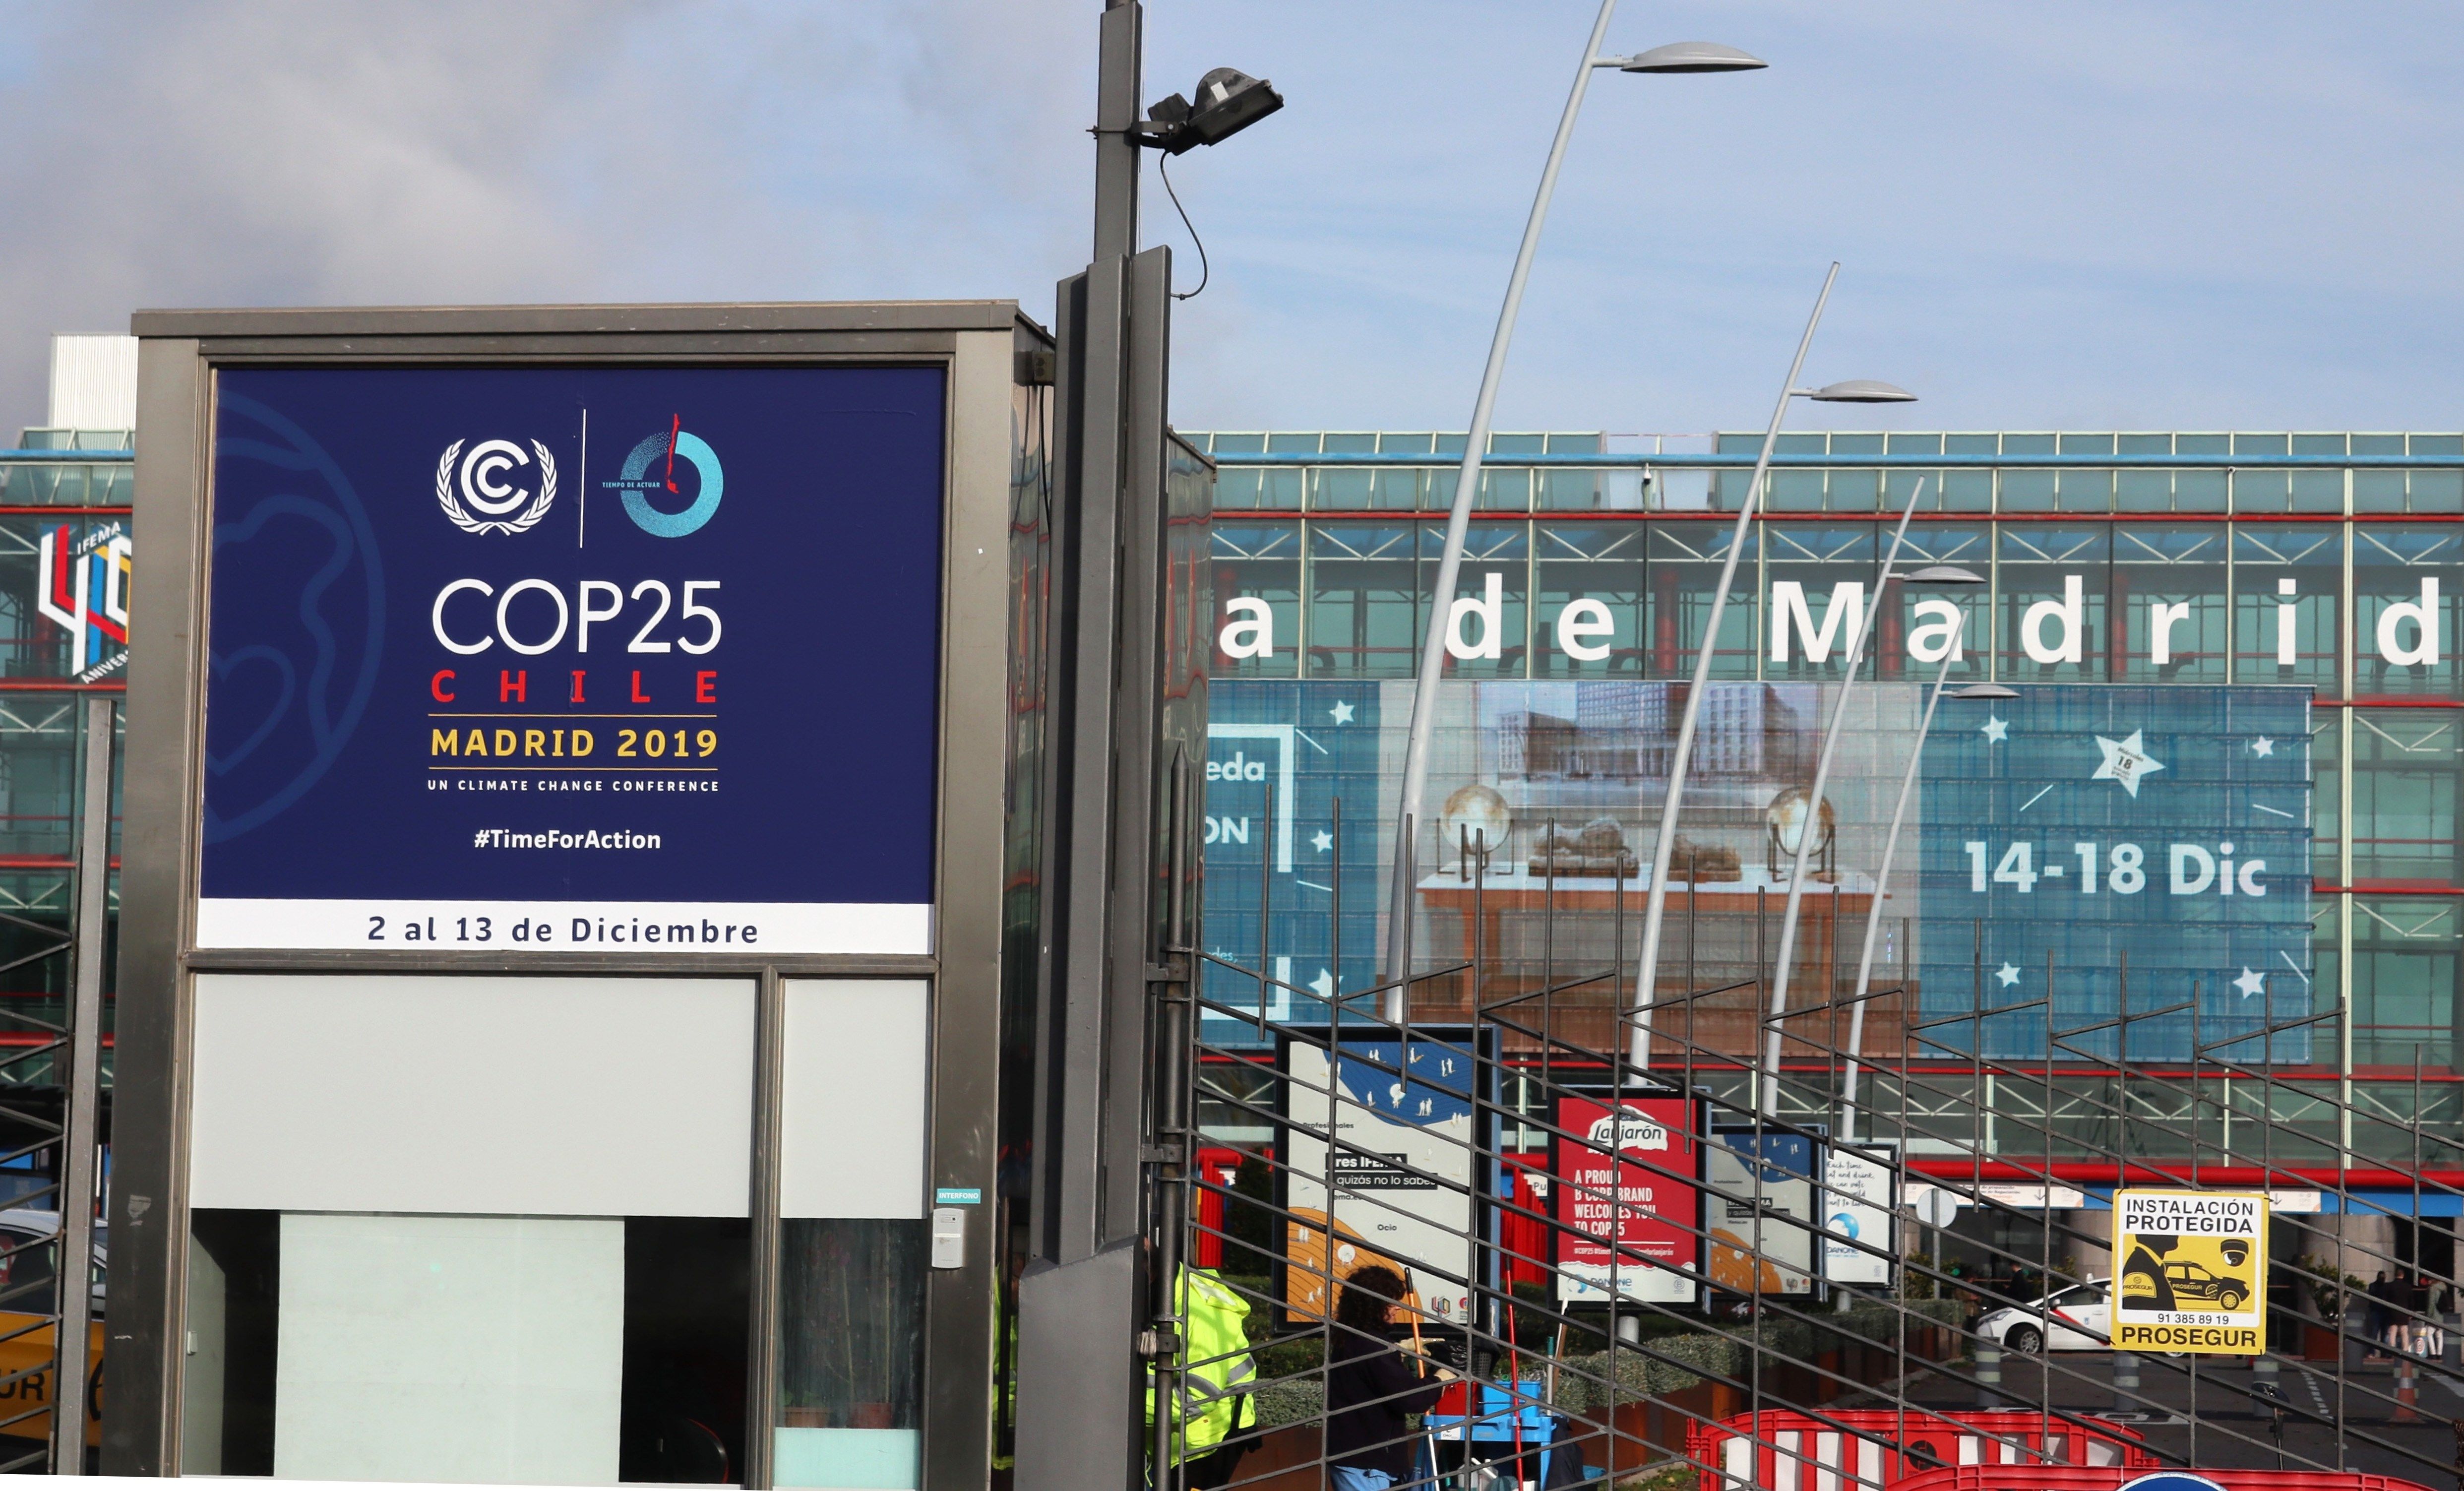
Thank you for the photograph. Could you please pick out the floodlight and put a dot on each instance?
(1230, 101)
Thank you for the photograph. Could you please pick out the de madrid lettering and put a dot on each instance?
(2051, 631)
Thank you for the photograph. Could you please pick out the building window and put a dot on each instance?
(2406, 766)
(2052, 591)
(2288, 592)
(2404, 981)
(1686, 560)
(2170, 586)
(1602, 565)
(1257, 562)
(2407, 619)
(1364, 617)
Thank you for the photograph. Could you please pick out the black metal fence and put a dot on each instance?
(1890, 1255)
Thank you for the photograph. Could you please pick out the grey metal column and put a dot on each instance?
(762, 1363)
(1082, 1296)
(80, 1140)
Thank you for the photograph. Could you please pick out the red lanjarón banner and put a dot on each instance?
(1635, 1202)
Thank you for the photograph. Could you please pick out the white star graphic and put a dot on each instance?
(1996, 729)
(1341, 711)
(1322, 840)
(2008, 974)
(2249, 982)
(1324, 985)
(2262, 746)
(2126, 761)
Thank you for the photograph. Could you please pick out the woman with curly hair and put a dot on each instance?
(1370, 1391)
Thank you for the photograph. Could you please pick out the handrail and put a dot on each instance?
(48, 456)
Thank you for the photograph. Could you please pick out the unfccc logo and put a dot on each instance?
(478, 484)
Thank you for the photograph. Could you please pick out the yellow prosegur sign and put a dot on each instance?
(2191, 1271)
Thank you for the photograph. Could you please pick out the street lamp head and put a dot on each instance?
(1692, 57)
(1230, 101)
(1984, 691)
(1943, 574)
(1861, 390)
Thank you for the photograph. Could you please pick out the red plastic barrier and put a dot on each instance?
(2101, 1478)
(1869, 1448)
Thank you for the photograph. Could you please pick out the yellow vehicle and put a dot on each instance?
(28, 1254)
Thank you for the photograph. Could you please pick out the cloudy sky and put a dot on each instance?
(2198, 215)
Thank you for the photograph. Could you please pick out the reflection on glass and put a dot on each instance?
(850, 1351)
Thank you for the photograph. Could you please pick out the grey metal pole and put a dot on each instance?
(1787, 920)
(77, 1140)
(1881, 881)
(1433, 646)
(1656, 907)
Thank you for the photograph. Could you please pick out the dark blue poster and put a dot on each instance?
(574, 658)
(2078, 836)
(1301, 749)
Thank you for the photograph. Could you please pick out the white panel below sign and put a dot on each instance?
(680, 926)
(486, 1349)
(857, 1067)
(528, 1096)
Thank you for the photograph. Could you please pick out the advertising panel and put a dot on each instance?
(2193, 1271)
(1628, 1226)
(1859, 1205)
(1283, 760)
(1402, 1167)
(2086, 830)
(1758, 1211)
(637, 659)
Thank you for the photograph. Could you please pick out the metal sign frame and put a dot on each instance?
(985, 348)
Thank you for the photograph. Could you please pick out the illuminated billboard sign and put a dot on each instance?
(2089, 835)
(637, 659)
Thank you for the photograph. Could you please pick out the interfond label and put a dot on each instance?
(606, 659)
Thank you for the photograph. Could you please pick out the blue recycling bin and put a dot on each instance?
(1487, 1435)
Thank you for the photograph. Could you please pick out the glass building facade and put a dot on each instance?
(64, 562)
(2327, 562)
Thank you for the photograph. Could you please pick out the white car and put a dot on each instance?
(2077, 1318)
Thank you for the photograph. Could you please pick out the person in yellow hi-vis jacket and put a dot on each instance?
(1216, 1377)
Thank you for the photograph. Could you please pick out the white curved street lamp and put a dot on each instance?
(1931, 574)
(1683, 57)
(1656, 909)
